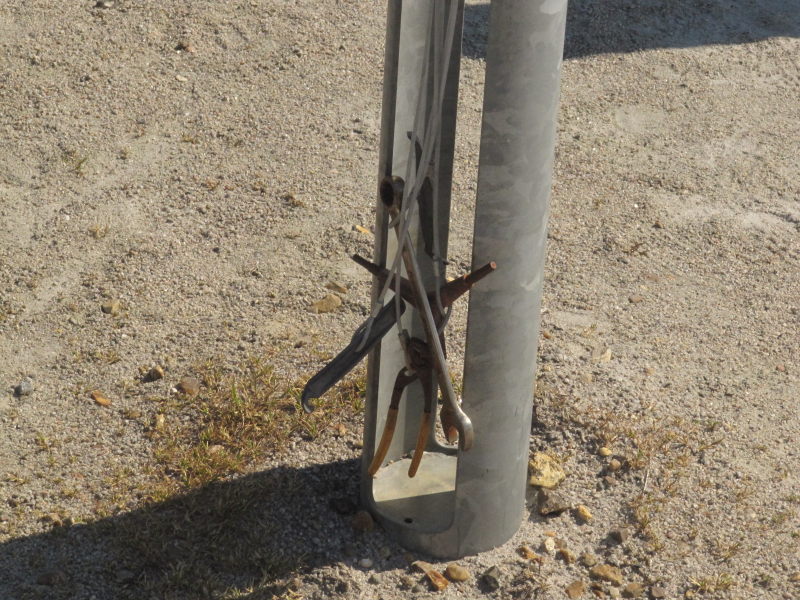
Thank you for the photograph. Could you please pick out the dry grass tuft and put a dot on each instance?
(206, 521)
(238, 419)
(710, 585)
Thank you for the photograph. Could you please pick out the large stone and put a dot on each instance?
(608, 573)
(456, 572)
(545, 471)
(575, 589)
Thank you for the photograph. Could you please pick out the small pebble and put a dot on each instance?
(374, 579)
(189, 386)
(619, 535)
(100, 398)
(567, 556)
(184, 46)
(362, 522)
(455, 572)
(365, 563)
(111, 307)
(436, 579)
(584, 514)
(491, 578)
(549, 546)
(588, 559)
(336, 287)
(658, 591)
(604, 451)
(575, 589)
(633, 590)
(608, 573)
(552, 503)
(328, 304)
(154, 374)
(24, 388)
(614, 465)
(527, 553)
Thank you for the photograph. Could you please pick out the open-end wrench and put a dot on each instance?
(391, 191)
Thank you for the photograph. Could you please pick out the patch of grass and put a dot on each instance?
(781, 517)
(716, 583)
(98, 231)
(726, 551)
(241, 417)
(206, 523)
(76, 162)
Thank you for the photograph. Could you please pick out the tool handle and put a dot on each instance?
(386, 440)
(348, 358)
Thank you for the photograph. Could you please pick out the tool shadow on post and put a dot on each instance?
(442, 498)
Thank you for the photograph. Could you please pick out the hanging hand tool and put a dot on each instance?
(391, 192)
(419, 369)
(424, 358)
(351, 355)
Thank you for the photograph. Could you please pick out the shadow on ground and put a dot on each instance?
(230, 535)
(609, 26)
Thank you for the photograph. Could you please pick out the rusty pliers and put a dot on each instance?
(424, 358)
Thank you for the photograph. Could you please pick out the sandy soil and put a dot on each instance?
(201, 168)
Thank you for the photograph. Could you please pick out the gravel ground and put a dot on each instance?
(179, 181)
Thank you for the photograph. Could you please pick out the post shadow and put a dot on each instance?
(226, 535)
(613, 26)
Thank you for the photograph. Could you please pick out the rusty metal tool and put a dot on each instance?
(420, 361)
(391, 192)
(420, 364)
(348, 358)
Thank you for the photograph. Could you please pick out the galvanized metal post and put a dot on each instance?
(465, 502)
(523, 63)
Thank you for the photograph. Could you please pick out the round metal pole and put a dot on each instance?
(523, 62)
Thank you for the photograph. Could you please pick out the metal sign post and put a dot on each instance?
(434, 495)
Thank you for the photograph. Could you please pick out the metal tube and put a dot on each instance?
(523, 61)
